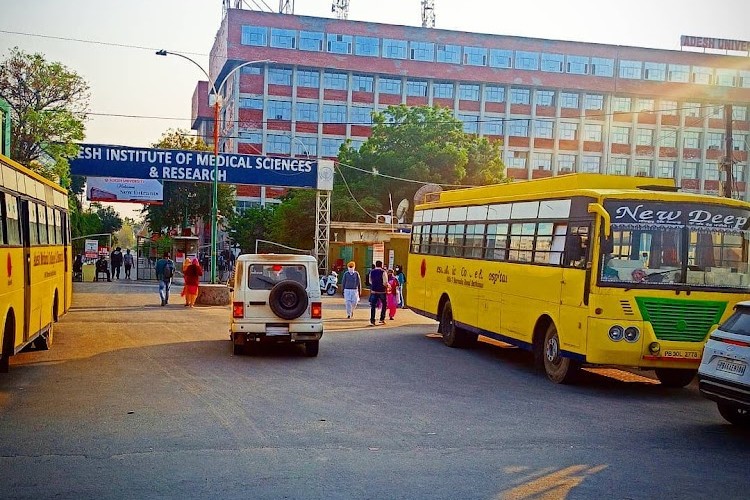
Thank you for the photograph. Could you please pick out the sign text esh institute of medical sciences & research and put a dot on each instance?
(97, 160)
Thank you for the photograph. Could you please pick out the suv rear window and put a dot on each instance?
(265, 276)
(738, 323)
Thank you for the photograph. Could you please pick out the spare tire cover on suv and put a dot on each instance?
(288, 299)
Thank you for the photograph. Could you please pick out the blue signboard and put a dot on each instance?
(97, 160)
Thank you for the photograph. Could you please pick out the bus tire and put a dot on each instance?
(674, 377)
(559, 369)
(453, 336)
(9, 332)
(44, 341)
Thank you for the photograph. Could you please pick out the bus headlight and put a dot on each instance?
(632, 334)
(616, 333)
(654, 347)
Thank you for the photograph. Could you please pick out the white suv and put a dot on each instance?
(276, 298)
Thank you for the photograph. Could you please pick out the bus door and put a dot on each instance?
(574, 285)
(27, 215)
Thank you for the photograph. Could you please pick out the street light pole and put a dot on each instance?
(215, 179)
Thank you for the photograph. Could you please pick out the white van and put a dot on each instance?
(276, 298)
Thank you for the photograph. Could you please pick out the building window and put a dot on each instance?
(644, 105)
(602, 67)
(578, 65)
(389, 86)
(666, 169)
(334, 113)
(656, 72)
(308, 78)
(679, 73)
(279, 110)
(618, 166)
(360, 115)
(692, 109)
(567, 131)
(311, 40)
(592, 132)
(668, 138)
(279, 144)
(644, 136)
(335, 81)
(251, 103)
(518, 128)
(283, 39)
(494, 93)
(642, 168)
(593, 101)
(280, 76)
(745, 79)
(566, 163)
(307, 111)
(620, 135)
(569, 100)
(519, 96)
(366, 46)
(668, 108)
(517, 159)
(739, 141)
(545, 98)
(471, 122)
(501, 58)
(251, 70)
(739, 113)
(415, 88)
(527, 60)
(630, 69)
(552, 63)
(339, 44)
(475, 56)
(422, 51)
(253, 35)
(492, 126)
(468, 92)
(251, 136)
(690, 170)
(702, 75)
(712, 171)
(449, 54)
(329, 146)
(714, 140)
(394, 49)
(739, 173)
(621, 104)
(306, 146)
(362, 83)
(442, 90)
(591, 164)
(543, 129)
(542, 161)
(691, 139)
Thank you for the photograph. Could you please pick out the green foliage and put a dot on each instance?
(48, 104)
(186, 201)
(111, 220)
(294, 220)
(251, 225)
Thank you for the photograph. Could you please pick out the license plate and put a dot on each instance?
(274, 331)
(729, 366)
(681, 354)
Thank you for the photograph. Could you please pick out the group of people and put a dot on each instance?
(117, 260)
(191, 271)
(386, 287)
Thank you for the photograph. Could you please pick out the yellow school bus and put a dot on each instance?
(582, 269)
(35, 258)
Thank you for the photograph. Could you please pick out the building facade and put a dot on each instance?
(557, 106)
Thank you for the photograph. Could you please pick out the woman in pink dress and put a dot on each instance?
(392, 294)
(192, 275)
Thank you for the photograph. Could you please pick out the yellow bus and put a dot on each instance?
(35, 259)
(582, 269)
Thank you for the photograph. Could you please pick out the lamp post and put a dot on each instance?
(215, 180)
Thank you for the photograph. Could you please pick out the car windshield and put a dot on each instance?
(265, 276)
(739, 322)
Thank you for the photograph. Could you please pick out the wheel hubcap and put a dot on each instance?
(552, 350)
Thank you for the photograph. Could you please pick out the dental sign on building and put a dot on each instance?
(97, 160)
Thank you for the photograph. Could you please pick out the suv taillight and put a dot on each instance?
(238, 309)
(316, 310)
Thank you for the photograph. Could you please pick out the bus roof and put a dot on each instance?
(4, 160)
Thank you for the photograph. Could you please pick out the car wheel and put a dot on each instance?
(288, 300)
(311, 348)
(674, 377)
(559, 369)
(734, 414)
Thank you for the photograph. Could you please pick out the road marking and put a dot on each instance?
(552, 486)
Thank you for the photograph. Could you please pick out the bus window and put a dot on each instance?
(577, 247)
(12, 227)
(33, 225)
(497, 242)
(42, 224)
(455, 242)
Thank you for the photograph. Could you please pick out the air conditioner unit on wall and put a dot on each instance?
(383, 219)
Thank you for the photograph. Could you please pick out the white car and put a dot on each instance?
(723, 375)
(276, 298)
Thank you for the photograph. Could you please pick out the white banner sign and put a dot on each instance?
(124, 190)
(91, 247)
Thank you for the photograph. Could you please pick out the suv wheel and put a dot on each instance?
(311, 348)
(734, 414)
(288, 300)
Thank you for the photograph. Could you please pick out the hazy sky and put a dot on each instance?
(134, 81)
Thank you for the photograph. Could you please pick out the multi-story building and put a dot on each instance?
(557, 106)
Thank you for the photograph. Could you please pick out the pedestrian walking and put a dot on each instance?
(192, 273)
(392, 294)
(378, 284)
(164, 273)
(127, 259)
(116, 262)
(352, 285)
(401, 277)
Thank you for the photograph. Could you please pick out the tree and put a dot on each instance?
(111, 220)
(253, 224)
(186, 201)
(48, 105)
(294, 220)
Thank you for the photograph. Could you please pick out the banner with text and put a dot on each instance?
(124, 190)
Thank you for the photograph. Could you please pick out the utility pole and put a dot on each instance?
(428, 13)
(728, 160)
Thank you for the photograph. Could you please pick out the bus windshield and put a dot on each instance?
(700, 246)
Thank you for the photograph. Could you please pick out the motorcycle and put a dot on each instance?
(329, 284)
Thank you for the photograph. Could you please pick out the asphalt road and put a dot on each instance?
(139, 401)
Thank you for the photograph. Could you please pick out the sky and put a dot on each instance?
(127, 78)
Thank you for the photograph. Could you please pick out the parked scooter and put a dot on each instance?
(329, 284)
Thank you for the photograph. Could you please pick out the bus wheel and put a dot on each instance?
(453, 336)
(44, 341)
(559, 370)
(7, 344)
(674, 377)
